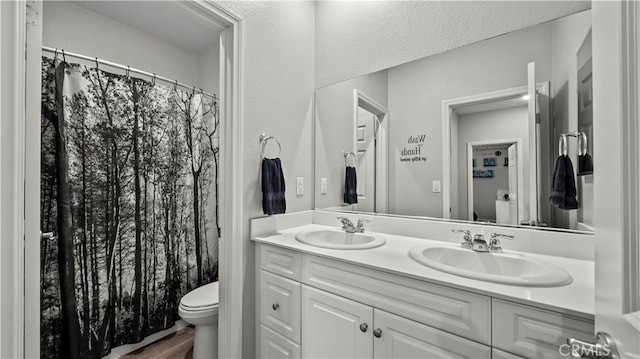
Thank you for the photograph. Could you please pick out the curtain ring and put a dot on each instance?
(64, 57)
(154, 79)
(96, 63)
(55, 55)
(193, 92)
(128, 71)
(201, 92)
(175, 85)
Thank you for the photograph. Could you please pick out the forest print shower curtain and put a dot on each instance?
(129, 186)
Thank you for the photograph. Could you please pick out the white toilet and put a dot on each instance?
(200, 308)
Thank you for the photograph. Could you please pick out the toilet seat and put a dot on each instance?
(201, 299)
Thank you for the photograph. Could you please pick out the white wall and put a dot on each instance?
(351, 40)
(509, 123)
(416, 92)
(277, 94)
(73, 28)
(334, 131)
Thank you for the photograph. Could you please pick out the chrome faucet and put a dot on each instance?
(349, 227)
(479, 244)
(467, 237)
(494, 242)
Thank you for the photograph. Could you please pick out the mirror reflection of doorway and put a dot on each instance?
(367, 128)
(494, 187)
(370, 120)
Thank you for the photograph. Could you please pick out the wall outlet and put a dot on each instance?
(323, 185)
(299, 186)
(435, 186)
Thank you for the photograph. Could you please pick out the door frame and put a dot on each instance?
(518, 143)
(449, 181)
(616, 106)
(360, 99)
(25, 326)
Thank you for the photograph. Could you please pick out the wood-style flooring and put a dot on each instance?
(178, 345)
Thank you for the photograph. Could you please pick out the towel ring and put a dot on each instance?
(563, 145)
(582, 144)
(264, 138)
(346, 158)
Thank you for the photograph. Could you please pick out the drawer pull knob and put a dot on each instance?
(275, 306)
(377, 333)
(364, 327)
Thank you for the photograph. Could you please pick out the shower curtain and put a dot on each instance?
(129, 186)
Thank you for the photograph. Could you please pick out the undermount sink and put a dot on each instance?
(503, 268)
(335, 239)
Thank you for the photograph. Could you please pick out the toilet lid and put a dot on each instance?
(202, 297)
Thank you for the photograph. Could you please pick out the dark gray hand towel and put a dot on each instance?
(273, 200)
(585, 164)
(350, 186)
(563, 191)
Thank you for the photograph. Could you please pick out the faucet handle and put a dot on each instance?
(499, 235)
(494, 243)
(467, 237)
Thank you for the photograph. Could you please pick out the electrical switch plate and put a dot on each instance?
(299, 186)
(435, 186)
(323, 185)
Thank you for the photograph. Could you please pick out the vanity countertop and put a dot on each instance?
(576, 298)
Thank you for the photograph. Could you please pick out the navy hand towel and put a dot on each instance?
(563, 191)
(273, 201)
(350, 186)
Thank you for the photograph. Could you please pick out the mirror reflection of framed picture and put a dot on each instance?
(489, 162)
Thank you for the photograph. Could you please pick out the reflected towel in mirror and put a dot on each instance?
(350, 186)
(563, 191)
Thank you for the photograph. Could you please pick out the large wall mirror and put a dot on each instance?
(499, 131)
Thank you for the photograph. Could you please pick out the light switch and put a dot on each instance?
(323, 185)
(299, 186)
(435, 186)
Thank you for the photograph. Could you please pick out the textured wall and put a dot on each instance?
(277, 93)
(358, 37)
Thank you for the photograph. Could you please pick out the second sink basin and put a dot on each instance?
(503, 268)
(335, 239)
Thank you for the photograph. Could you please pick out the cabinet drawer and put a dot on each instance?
(533, 332)
(280, 261)
(280, 305)
(274, 346)
(455, 311)
(403, 338)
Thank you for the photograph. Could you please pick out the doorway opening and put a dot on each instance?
(370, 124)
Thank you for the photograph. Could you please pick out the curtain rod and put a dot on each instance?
(126, 68)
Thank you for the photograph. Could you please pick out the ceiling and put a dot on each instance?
(176, 22)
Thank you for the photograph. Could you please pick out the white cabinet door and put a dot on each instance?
(335, 327)
(401, 338)
(274, 346)
(280, 305)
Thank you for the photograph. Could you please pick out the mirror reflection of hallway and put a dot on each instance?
(367, 128)
(370, 119)
(493, 177)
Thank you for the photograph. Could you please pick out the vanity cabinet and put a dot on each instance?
(336, 327)
(316, 307)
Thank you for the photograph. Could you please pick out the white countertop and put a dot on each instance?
(576, 298)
